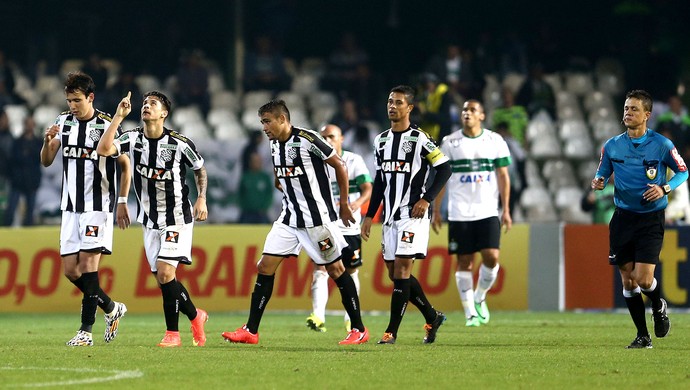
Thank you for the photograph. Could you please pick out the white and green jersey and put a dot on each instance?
(357, 173)
(473, 187)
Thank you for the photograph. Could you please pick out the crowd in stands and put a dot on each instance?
(554, 116)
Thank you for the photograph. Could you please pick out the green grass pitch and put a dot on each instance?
(522, 350)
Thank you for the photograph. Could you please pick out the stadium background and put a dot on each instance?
(399, 36)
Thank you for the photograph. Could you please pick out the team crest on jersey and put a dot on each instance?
(407, 147)
(325, 245)
(292, 153)
(167, 154)
(94, 135)
(91, 231)
(650, 168)
(407, 237)
(173, 237)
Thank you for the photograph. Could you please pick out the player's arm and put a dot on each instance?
(123, 219)
(504, 192)
(50, 147)
(200, 208)
(377, 193)
(443, 173)
(436, 217)
(343, 184)
(364, 195)
(106, 145)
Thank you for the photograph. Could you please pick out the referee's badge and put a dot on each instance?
(651, 168)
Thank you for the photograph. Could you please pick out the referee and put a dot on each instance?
(639, 158)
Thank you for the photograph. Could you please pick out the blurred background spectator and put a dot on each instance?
(192, 82)
(434, 103)
(25, 174)
(513, 116)
(256, 192)
(264, 67)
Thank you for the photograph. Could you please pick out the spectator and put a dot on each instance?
(600, 203)
(516, 170)
(456, 69)
(192, 82)
(350, 74)
(99, 73)
(25, 173)
(348, 117)
(6, 141)
(434, 107)
(255, 139)
(264, 67)
(675, 124)
(255, 192)
(7, 95)
(514, 116)
(125, 83)
(536, 94)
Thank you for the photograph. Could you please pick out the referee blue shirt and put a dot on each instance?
(638, 163)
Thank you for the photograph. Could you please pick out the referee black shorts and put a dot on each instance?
(635, 237)
(465, 237)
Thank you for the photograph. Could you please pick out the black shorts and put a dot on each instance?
(635, 237)
(352, 254)
(465, 237)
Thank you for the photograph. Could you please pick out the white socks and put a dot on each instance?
(319, 294)
(487, 277)
(463, 279)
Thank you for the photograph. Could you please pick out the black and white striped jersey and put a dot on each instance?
(403, 159)
(89, 181)
(159, 168)
(299, 165)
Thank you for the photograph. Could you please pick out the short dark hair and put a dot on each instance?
(643, 96)
(79, 81)
(405, 90)
(475, 101)
(161, 96)
(275, 107)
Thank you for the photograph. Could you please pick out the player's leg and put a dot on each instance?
(319, 298)
(465, 285)
(170, 290)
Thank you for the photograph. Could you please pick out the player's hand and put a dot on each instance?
(125, 106)
(598, 183)
(420, 209)
(123, 220)
(346, 215)
(200, 209)
(506, 221)
(366, 228)
(50, 133)
(436, 222)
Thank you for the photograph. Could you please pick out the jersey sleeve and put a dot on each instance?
(122, 142)
(674, 160)
(503, 158)
(605, 168)
(431, 152)
(191, 156)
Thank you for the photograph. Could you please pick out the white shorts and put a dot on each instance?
(172, 245)
(90, 231)
(324, 244)
(406, 238)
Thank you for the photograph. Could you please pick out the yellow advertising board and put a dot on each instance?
(223, 272)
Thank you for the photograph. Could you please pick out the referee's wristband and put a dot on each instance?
(121, 199)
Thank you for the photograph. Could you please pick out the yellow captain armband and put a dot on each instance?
(434, 156)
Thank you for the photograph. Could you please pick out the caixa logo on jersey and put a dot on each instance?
(289, 171)
(153, 173)
(396, 166)
(79, 152)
